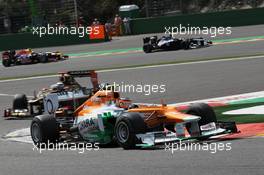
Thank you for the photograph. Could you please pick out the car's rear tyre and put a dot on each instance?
(20, 102)
(6, 62)
(186, 44)
(147, 48)
(43, 59)
(126, 128)
(44, 129)
(203, 110)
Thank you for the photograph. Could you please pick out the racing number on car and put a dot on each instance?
(50, 108)
(51, 103)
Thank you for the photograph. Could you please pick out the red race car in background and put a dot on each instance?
(27, 56)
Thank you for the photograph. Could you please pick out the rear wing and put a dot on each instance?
(84, 73)
(152, 39)
(146, 40)
(80, 73)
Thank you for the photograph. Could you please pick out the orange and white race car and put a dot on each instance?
(106, 118)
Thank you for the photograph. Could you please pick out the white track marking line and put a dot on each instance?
(180, 64)
(10, 95)
(238, 42)
(7, 95)
(255, 110)
(28, 78)
(226, 99)
(146, 67)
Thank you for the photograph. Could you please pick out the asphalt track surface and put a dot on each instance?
(139, 58)
(183, 83)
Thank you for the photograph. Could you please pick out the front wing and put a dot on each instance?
(157, 138)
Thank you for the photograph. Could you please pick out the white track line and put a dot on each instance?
(146, 67)
(226, 99)
(27, 78)
(7, 95)
(10, 95)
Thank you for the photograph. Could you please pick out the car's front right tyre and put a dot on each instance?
(6, 62)
(147, 48)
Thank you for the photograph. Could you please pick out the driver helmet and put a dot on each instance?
(97, 100)
(66, 79)
(153, 39)
(60, 86)
(124, 103)
(54, 87)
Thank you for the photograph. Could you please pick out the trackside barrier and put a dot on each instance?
(28, 40)
(216, 19)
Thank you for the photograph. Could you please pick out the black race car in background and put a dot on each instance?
(64, 96)
(171, 43)
(27, 56)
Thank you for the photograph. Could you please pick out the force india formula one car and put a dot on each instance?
(67, 93)
(171, 43)
(27, 56)
(106, 118)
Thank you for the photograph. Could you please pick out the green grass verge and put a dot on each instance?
(239, 118)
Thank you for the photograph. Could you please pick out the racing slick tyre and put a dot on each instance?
(20, 102)
(186, 44)
(206, 113)
(44, 130)
(147, 48)
(34, 58)
(203, 110)
(6, 62)
(43, 59)
(126, 128)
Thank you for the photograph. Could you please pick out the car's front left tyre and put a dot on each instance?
(44, 129)
(126, 128)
